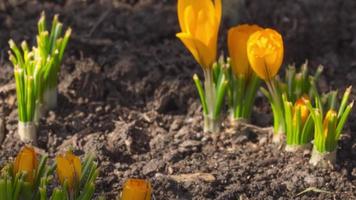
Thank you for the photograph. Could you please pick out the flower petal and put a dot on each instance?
(218, 11)
(75, 163)
(26, 161)
(202, 54)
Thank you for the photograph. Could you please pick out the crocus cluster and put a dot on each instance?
(36, 75)
(29, 175)
(255, 56)
(256, 53)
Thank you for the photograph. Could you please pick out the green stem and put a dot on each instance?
(279, 126)
(253, 85)
(240, 93)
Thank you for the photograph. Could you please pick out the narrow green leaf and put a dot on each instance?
(201, 94)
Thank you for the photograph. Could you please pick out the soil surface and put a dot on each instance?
(126, 94)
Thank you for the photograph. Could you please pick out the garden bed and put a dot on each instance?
(126, 94)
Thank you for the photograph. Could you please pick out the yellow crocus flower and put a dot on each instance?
(237, 45)
(136, 189)
(26, 161)
(69, 169)
(199, 21)
(301, 104)
(265, 53)
(329, 115)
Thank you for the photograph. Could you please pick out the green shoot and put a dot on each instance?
(49, 52)
(212, 96)
(241, 93)
(328, 126)
(76, 185)
(299, 123)
(294, 86)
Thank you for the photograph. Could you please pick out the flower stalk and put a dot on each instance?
(243, 81)
(212, 96)
(328, 127)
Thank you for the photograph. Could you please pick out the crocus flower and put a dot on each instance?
(137, 189)
(301, 104)
(199, 21)
(26, 161)
(265, 52)
(68, 169)
(237, 44)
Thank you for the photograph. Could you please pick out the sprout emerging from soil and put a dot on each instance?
(50, 50)
(213, 98)
(26, 178)
(299, 124)
(137, 189)
(294, 85)
(28, 89)
(328, 127)
(200, 38)
(243, 81)
(36, 74)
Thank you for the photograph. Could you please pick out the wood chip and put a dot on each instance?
(194, 177)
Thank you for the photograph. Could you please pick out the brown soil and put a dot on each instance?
(126, 94)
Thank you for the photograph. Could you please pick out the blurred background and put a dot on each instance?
(321, 31)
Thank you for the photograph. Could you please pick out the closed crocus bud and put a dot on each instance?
(69, 169)
(237, 44)
(330, 117)
(26, 161)
(265, 53)
(301, 104)
(199, 21)
(136, 189)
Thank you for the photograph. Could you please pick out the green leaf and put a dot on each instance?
(201, 93)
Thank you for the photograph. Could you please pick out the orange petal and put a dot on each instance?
(76, 164)
(237, 45)
(202, 54)
(137, 189)
(218, 11)
(26, 161)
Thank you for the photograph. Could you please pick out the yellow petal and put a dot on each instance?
(265, 52)
(202, 54)
(237, 45)
(301, 104)
(68, 169)
(182, 5)
(136, 189)
(75, 163)
(64, 171)
(199, 21)
(26, 161)
(329, 115)
(218, 11)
